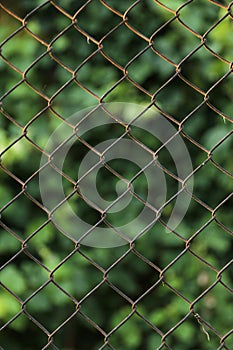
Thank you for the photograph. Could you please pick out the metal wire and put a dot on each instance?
(124, 20)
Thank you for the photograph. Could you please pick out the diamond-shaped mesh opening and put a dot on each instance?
(172, 5)
(161, 69)
(16, 327)
(136, 330)
(217, 41)
(72, 57)
(45, 122)
(70, 6)
(21, 60)
(55, 295)
(85, 277)
(47, 86)
(118, 37)
(68, 336)
(157, 316)
(21, 96)
(10, 305)
(185, 330)
(7, 30)
(216, 241)
(195, 72)
(46, 30)
(175, 86)
(225, 145)
(186, 287)
(129, 284)
(135, 251)
(15, 278)
(184, 44)
(110, 74)
(223, 85)
(11, 77)
(211, 305)
(41, 238)
(145, 18)
(103, 19)
(71, 99)
(221, 218)
(206, 140)
(216, 176)
(9, 245)
(204, 13)
(16, 207)
(104, 318)
(16, 161)
(101, 257)
(132, 88)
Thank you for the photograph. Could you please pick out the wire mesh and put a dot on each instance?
(71, 296)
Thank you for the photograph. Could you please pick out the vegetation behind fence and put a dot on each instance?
(168, 289)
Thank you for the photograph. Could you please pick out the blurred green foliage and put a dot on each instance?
(77, 276)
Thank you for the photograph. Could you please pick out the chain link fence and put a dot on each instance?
(162, 287)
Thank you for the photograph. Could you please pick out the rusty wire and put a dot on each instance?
(125, 23)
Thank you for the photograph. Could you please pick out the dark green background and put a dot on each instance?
(162, 307)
